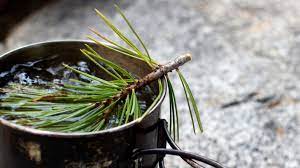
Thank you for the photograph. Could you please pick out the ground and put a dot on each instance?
(244, 73)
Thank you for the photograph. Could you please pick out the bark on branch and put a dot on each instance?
(153, 76)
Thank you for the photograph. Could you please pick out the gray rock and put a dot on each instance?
(239, 47)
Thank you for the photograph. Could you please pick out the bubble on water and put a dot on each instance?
(112, 122)
(55, 70)
(56, 81)
(3, 74)
(23, 78)
(143, 105)
(83, 66)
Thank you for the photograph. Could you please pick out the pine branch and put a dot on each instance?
(87, 106)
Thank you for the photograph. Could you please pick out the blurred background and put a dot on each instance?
(245, 72)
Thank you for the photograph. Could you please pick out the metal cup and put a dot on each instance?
(24, 147)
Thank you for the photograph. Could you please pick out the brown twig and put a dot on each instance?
(159, 72)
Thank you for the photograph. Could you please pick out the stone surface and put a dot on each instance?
(240, 48)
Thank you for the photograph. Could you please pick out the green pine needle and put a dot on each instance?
(132, 29)
(191, 102)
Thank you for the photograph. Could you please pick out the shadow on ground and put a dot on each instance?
(14, 11)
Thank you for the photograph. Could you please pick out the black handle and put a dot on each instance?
(188, 157)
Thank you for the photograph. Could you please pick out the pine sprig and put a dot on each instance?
(80, 106)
